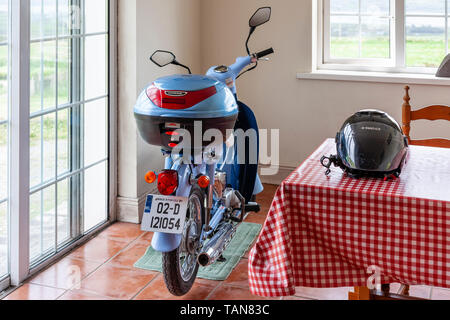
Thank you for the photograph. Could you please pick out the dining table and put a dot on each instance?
(331, 231)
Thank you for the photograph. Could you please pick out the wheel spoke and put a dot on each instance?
(187, 259)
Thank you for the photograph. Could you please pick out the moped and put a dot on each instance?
(200, 203)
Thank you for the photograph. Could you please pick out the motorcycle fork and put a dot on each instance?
(211, 170)
(209, 206)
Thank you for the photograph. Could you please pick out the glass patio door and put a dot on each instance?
(54, 128)
(4, 137)
(68, 122)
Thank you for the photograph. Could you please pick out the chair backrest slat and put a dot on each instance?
(431, 113)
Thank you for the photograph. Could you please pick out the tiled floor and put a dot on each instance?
(103, 269)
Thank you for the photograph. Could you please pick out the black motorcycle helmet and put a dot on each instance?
(370, 143)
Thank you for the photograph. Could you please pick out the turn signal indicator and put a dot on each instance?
(150, 177)
(203, 182)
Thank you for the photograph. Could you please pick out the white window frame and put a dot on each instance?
(20, 269)
(397, 62)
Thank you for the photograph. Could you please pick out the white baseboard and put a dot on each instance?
(131, 209)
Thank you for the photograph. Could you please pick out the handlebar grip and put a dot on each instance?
(264, 53)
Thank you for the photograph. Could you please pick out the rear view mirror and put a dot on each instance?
(163, 58)
(261, 16)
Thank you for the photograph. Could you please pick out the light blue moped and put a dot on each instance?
(200, 205)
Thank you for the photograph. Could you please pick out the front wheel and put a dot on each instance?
(180, 266)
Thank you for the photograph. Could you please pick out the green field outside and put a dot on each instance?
(48, 99)
(420, 51)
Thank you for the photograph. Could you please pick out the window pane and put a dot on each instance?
(425, 42)
(3, 82)
(63, 142)
(375, 7)
(63, 17)
(35, 226)
(95, 70)
(48, 214)
(344, 37)
(36, 11)
(63, 211)
(4, 20)
(3, 239)
(64, 72)
(344, 6)
(49, 18)
(42, 223)
(49, 122)
(35, 77)
(425, 7)
(49, 84)
(95, 196)
(3, 162)
(35, 152)
(96, 14)
(375, 37)
(95, 135)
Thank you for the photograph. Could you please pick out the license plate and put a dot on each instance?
(165, 214)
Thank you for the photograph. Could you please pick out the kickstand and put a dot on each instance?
(222, 259)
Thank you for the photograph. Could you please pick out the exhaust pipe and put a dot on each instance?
(217, 245)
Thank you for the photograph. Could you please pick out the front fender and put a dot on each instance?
(164, 242)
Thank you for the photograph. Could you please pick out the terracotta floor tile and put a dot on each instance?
(64, 274)
(35, 292)
(226, 292)
(81, 295)
(157, 290)
(146, 238)
(239, 276)
(116, 282)
(265, 199)
(99, 250)
(122, 232)
(323, 294)
(259, 218)
(441, 294)
(128, 257)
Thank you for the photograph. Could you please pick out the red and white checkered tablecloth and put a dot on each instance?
(324, 232)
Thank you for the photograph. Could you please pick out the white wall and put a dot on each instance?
(203, 33)
(145, 26)
(306, 111)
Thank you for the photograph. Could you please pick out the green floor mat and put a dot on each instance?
(244, 238)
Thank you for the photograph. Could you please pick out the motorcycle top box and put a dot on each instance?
(182, 102)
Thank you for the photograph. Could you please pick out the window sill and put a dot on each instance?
(381, 77)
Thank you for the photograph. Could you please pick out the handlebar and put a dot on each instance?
(264, 53)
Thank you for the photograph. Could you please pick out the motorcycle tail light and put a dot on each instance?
(154, 94)
(168, 182)
(178, 100)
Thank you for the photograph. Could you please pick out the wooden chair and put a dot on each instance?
(431, 113)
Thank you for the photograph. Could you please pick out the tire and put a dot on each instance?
(177, 282)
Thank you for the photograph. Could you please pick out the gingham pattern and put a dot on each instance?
(325, 232)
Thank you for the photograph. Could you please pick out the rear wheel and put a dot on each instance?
(180, 266)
